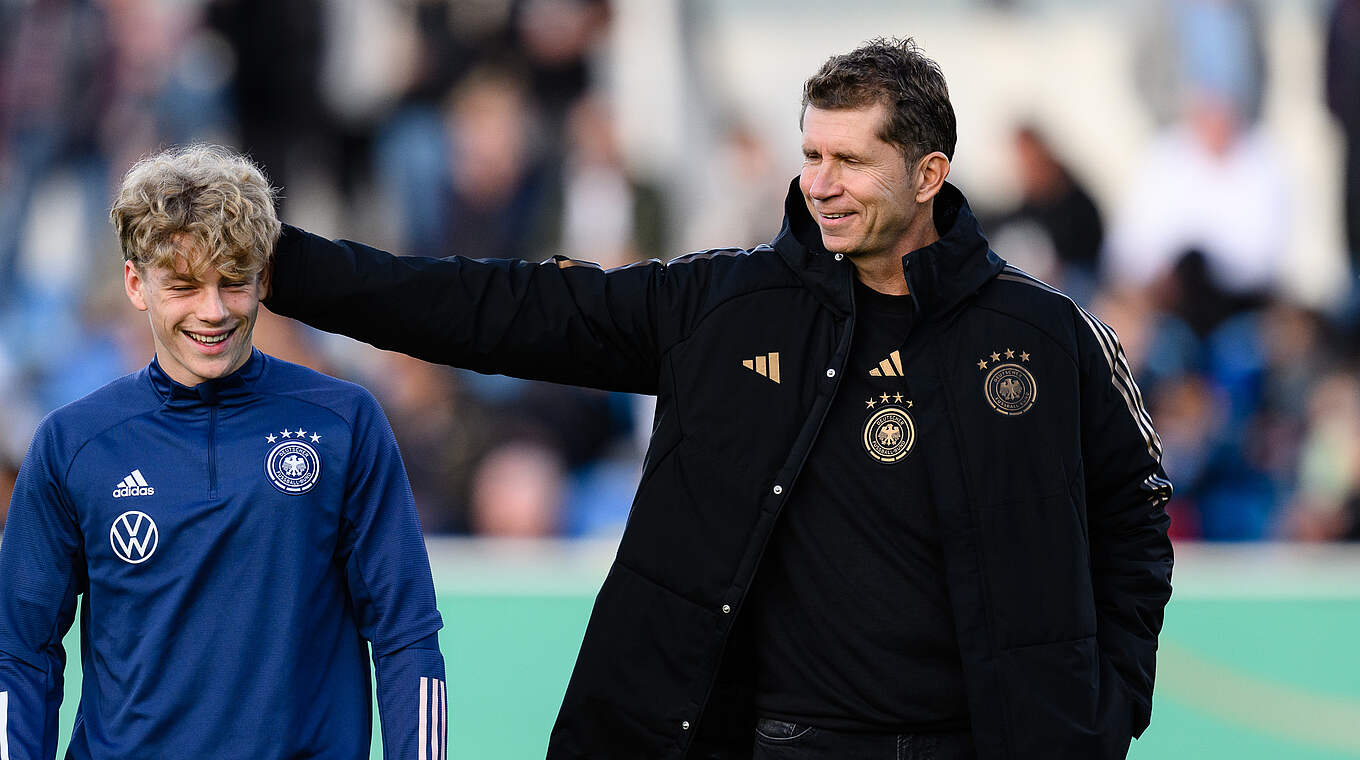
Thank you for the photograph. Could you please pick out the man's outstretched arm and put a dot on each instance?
(561, 320)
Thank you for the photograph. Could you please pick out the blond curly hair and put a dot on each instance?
(203, 197)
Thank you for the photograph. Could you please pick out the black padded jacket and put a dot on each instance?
(1046, 480)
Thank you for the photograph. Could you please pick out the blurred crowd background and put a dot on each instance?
(1188, 169)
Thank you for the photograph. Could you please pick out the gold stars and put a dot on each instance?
(897, 397)
(995, 356)
(869, 404)
(883, 398)
(910, 404)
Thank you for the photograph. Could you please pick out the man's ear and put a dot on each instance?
(931, 172)
(133, 283)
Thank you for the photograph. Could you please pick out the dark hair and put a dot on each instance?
(896, 73)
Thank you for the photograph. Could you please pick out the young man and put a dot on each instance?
(238, 526)
(902, 500)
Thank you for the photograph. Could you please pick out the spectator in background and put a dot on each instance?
(600, 210)
(1207, 214)
(556, 41)
(547, 46)
(518, 491)
(1186, 48)
(1343, 98)
(1207, 232)
(497, 181)
(431, 416)
(1055, 232)
(276, 92)
(412, 152)
(1329, 473)
(753, 192)
(55, 94)
(1211, 188)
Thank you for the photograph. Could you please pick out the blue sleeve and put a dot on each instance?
(388, 573)
(413, 701)
(41, 573)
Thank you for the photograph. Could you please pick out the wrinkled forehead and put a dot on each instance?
(861, 126)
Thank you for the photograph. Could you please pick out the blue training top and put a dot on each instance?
(236, 543)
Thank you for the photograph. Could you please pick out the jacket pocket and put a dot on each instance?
(1036, 561)
(645, 654)
(1061, 703)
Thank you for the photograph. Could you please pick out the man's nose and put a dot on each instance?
(825, 181)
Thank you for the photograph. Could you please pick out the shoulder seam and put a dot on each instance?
(1041, 328)
(66, 471)
(759, 288)
(1121, 376)
(712, 253)
(302, 399)
(359, 390)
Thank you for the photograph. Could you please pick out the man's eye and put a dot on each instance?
(234, 284)
(181, 288)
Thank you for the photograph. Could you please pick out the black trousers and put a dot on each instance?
(781, 740)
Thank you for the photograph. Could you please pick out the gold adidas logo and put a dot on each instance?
(765, 366)
(890, 367)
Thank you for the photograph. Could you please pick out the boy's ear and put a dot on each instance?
(134, 284)
(265, 278)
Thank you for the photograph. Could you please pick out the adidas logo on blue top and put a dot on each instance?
(133, 485)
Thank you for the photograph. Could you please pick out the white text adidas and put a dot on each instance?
(133, 485)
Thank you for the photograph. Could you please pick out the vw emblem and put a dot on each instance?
(293, 467)
(134, 537)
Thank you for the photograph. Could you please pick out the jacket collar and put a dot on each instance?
(940, 275)
(219, 390)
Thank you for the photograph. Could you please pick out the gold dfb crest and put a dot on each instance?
(889, 435)
(1010, 389)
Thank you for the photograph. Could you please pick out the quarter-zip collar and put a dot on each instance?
(219, 390)
(939, 275)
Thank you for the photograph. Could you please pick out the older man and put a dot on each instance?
(901, 500)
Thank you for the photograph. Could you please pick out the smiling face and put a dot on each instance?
(856, 185)
(202, 324)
